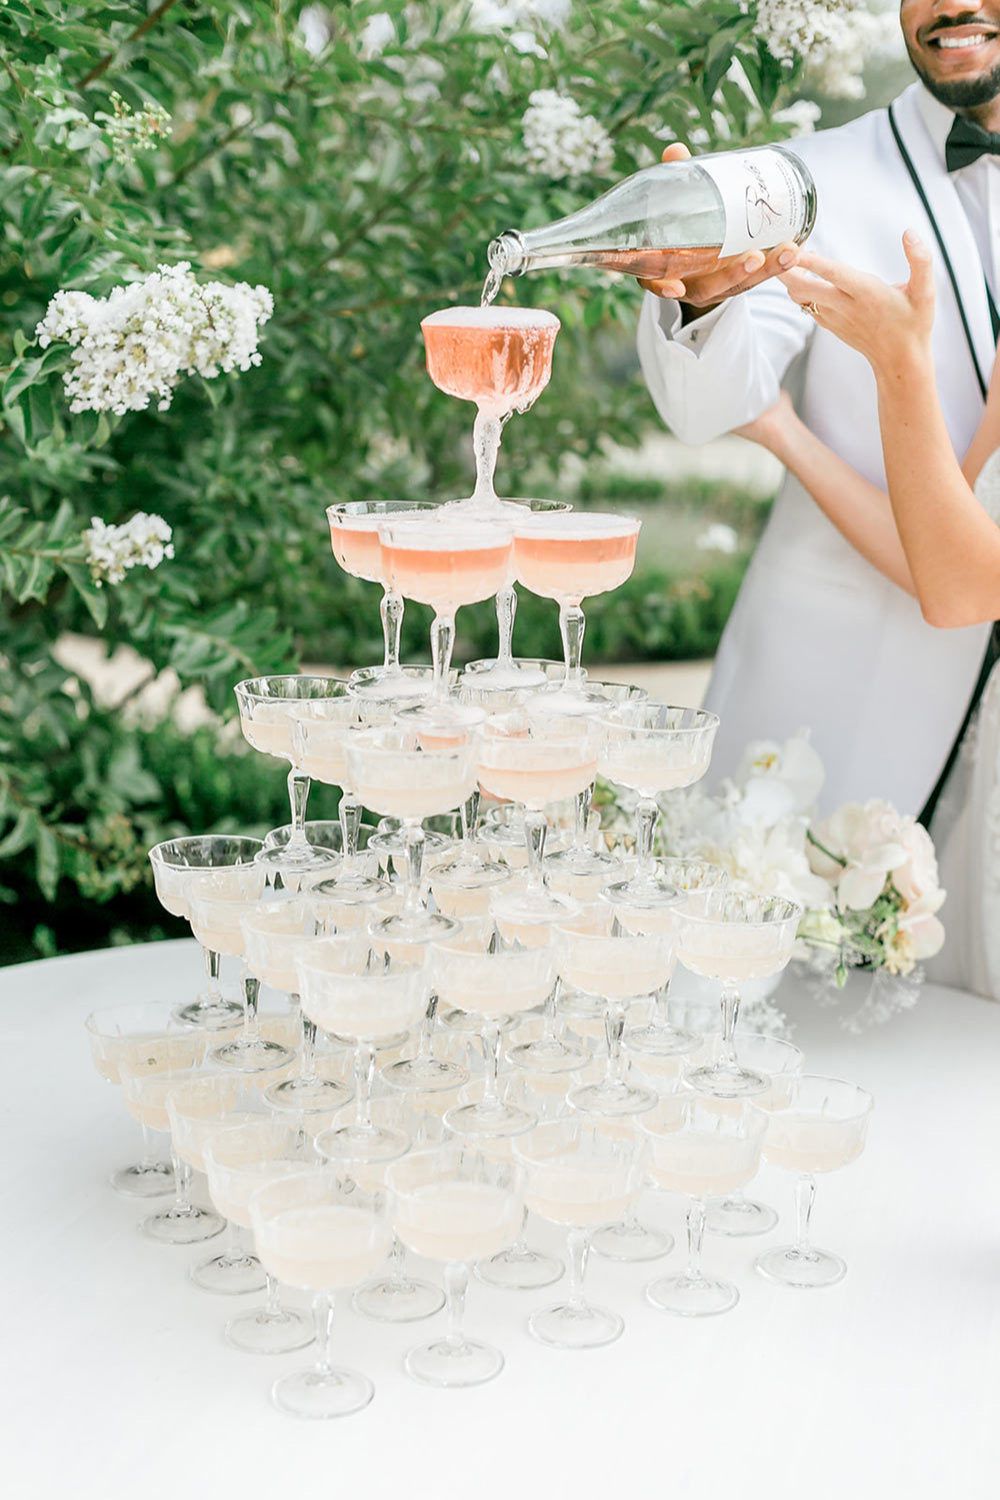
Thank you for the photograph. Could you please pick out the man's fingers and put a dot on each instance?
(740, 275)
(663, 288)
(676, 151)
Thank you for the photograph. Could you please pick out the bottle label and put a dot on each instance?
(762, 197)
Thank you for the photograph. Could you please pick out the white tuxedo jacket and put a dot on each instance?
(818, 637)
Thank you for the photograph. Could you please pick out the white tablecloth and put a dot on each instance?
(117, 1381)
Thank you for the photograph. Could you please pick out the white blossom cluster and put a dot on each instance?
(560, 140)
(136, 344)
(834, 37)
(141, 542)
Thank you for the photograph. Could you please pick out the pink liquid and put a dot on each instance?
(572, 568)
(499, 358)
(537, 786)
(447, 579)
(356, 547)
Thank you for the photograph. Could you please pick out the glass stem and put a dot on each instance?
(578, 1253)
(571, 628)
(456, 1284)
(251, 995)
(413, 837)
(506, 602)
(695, 1234)
(535, 830)
(646, 814)
(549, 1017)
(805, 1195)
(349, 813)
(307, 1054)
(584, 801)
(298, 796)
(485, 447)
(272, 1301)
(213, 966)
(323, 1307)
(442, 643)
(395, 1258)
(391, 610)
(469, 814)
(425, 1051)
(661, 1014)
(614, 1026)
(148, 1158)
(730, 1002)
(491, 1057)
(364, 1072)
(182, 1184)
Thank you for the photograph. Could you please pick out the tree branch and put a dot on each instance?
(102, 67)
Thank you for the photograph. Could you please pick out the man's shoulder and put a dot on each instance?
(829, 146)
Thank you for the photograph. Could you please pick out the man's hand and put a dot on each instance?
(699, 294)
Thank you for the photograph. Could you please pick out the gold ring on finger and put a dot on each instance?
(811, 309)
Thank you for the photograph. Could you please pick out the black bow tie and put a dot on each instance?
(967, 142)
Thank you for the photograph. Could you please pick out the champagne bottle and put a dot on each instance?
(674, 219)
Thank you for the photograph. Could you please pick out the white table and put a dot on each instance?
(117, 1382)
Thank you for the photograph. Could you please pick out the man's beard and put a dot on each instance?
(968, 93)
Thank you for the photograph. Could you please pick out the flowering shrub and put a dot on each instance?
(166, 171)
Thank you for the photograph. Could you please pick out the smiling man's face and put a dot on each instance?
(954, 45)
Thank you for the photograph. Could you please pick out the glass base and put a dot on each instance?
(531, 907)
(738, 1217)
(573, 700)
(183, 1226)
(361, 1144)
(257, 1056)
(468, 1021)
(352, 888)
(320, 1394)
(580, 863)
(453, 1362)
(214, 1015)
(659, 1041)
(611, 1097)
(575, 1325)
(502, 676)
(229, 1275)
(307, 860)
(425, 1075)
(650, 897)
(390, 843)
(548, 1055)
(263, 1332)
(489, 1121)
(144, 1181)
(691, 1296)
(403, 1300)
(379, 684)
(441, 716)
(803, 1269)
(724, 1081)
(309, 1094)
(629, 1240)
(520, 1270)
(415, 927)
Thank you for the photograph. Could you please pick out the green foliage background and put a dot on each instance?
(362, 192)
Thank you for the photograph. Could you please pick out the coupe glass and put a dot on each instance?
(493, 985)
(477, 685)
(820, 1126)
(239, 1160)
(217, 923)
(312, 1235)
(737, 1215)
(146, 1098)
(274, 934)
(360, 1000)
(652, 748)
(199, 1110)
(599, 958)
(735, 938)
(354, 528)
(694, 880)
(267, 717)
(452, 1204)
(578, 1176)
(142, 1037)
(549, 1054)
(704, 1152)
(535, 762)
(569, 559)
(207, 864)
(406, 773)
(446, 565)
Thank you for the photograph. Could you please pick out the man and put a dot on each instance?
(817, 636)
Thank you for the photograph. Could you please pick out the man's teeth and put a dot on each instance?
(952, 42)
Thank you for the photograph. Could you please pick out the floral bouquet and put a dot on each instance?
(867, 876)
